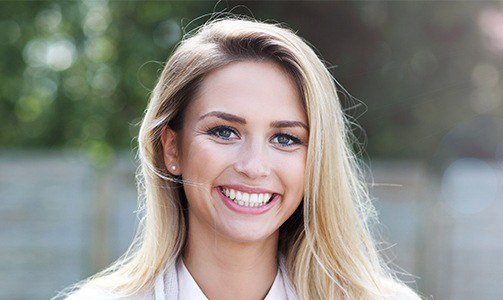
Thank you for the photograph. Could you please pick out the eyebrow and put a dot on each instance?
(224, 116)
(240, 120)
(286, 124)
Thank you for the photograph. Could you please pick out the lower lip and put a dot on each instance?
(247, 209)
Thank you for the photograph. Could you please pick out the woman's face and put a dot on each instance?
(242, 152)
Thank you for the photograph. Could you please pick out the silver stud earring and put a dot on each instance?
(173, 168)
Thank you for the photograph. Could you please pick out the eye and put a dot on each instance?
(223, 132)
(285, 140)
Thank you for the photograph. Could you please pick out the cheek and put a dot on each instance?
(293, 169)
(202, 160)
(201, 165)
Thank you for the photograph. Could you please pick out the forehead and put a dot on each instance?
(261, 87)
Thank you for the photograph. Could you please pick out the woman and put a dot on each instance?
(249, 186)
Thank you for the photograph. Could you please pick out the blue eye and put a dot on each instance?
(223, 132)
(285, 140)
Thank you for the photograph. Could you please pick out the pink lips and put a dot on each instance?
(247, 209)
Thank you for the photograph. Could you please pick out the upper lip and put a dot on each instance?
(248, 189)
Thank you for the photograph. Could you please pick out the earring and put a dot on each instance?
(173, 168)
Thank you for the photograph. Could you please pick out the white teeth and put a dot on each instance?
(253, 198)
(246, 199)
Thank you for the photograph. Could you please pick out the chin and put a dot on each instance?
(249, 235)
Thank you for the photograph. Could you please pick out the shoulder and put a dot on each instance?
(398, 291)
(103, 289)
(99, 293)
(91, 292)
(404, 293)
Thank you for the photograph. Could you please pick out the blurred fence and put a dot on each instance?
(61, 220)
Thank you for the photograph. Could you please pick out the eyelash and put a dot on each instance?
(214, 131)
(295, 140)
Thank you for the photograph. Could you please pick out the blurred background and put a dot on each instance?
(423, 79)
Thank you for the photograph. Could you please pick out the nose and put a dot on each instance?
(252, 160)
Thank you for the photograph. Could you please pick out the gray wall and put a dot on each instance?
(61, 219)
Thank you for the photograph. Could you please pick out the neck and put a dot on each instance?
(228, 269)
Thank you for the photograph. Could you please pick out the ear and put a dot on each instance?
(170, 151)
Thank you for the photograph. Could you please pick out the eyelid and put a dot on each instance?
(296, 141)
(213, 130)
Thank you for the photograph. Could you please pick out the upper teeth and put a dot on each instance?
(246, 199)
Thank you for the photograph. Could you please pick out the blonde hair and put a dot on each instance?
(326, 243)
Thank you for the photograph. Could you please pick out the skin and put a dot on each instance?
(233, 255)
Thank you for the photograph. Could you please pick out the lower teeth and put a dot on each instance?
(248, 203)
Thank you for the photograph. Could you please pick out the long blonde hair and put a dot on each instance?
(326, 244)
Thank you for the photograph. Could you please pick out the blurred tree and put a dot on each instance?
(412, 64)
(78, 74)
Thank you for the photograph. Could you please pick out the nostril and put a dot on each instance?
(252, 169)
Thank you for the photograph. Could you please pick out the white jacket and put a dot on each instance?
(165, 288)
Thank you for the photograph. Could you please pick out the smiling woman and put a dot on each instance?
(249, 188)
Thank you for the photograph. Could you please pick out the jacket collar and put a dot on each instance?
(166, 283)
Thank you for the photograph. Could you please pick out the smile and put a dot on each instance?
(247, 199)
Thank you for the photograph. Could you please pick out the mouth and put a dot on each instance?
(247, 199)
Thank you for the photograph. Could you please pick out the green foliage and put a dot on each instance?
(79, 74)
